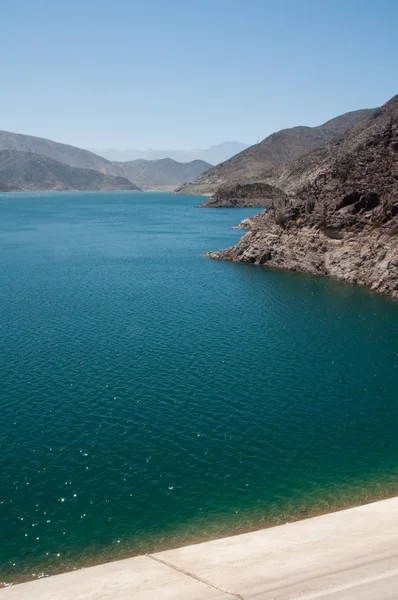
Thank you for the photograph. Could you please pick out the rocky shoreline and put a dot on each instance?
(368, 258)
(340, 218)
(249, 195)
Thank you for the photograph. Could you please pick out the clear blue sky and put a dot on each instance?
(190, 73)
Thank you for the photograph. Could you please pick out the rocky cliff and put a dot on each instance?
(249, 195)
(343, 220)
(366, 258)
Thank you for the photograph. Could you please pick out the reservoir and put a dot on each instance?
(151, 397)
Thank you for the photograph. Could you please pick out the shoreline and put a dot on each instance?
(311, 555)
(368, 258)
(231, 532)
(170, 191)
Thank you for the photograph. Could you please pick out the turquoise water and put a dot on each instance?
(151, 397)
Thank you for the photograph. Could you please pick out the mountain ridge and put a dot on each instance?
(21, 171)
(213, 155)
(165, 173)
(155, 175)
(342, 219)
(279, 148)
(71, 155)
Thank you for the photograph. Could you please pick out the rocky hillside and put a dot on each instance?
(29, 171)
(354, 180)
(255, 163)
(154, 174)
(71, 155)
(249, 195)
(4, 187)
(162, 174)
(343, 219)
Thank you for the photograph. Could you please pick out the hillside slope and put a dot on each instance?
(343, 220)
(29, 171)
(154, 174)
(71, 155)
(274, 151)
(162, 174)
(363, 161)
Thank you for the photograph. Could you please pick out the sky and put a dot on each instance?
(182, 74)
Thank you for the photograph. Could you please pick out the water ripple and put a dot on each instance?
(151, 397)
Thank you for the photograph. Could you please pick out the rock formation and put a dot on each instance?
(249, 194)
(343, 219)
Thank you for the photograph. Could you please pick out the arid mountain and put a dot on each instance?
(353, 180)
(155, 174)
(76, 157)
(213, 155)
(4, 187)
(280, 148)
(342, 219)
(29, 171)
(162, 174)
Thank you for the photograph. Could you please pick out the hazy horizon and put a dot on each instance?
(171, 149)
(188, 75)
(212, 155)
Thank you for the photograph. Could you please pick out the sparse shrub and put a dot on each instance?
(310, 205)
(376, 225)
(280, 218)
(324, 215)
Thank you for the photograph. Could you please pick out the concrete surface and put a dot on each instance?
(352, 554)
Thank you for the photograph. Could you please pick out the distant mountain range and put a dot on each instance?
(33, 163)
(213, 155)
(75, 157)
(164, 173)
(30, 171)
(258, 162)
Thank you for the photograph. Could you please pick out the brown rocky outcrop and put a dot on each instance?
(367, 258)
(249, 195)
(343, 221)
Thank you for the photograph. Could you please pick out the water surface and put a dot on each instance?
(151, 397)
